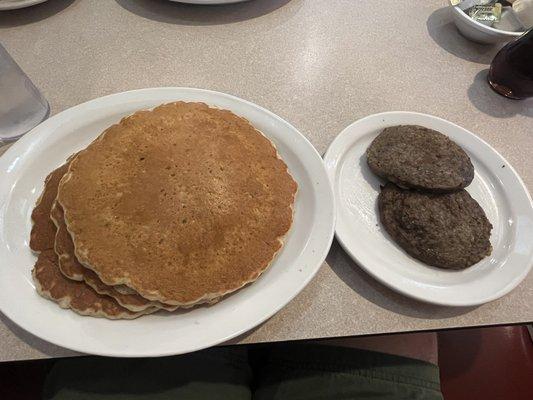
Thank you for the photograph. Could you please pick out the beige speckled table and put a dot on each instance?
(320, 64)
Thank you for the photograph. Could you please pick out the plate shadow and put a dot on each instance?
(443, 31)
(29, 15)
(194, 14)
(33, 341)
(491, 103)
(365, 285)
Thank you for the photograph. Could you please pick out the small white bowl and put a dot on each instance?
(478, 32)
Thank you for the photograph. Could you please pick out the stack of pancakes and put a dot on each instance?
(170, 208)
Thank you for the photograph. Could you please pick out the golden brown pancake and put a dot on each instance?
(51, 283)
(79, 297)
(72, 269)
(68, 265)
(64, 248)
(184, 203)
(43, 230)
(124, 289)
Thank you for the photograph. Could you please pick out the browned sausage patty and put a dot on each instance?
(416, 157)
(447, 230)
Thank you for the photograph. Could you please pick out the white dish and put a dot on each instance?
(16, 4)
(496, 186)
(23, 168)
(478, 32)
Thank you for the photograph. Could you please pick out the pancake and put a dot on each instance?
(43, 231)
(183, 204)
(68, 265)
(64, 248)
(124, 289)
(420, 158)
(45, 228)
(77, 296)
(52, 284)
(72, 269)
(447, 230)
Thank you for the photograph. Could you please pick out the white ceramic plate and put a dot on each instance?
(496, 186)
(15, 4)
(23, 168)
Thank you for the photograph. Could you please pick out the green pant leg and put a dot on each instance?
(315, 372)
(218, 373)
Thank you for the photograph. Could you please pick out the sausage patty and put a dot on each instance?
(420, 158)
(447, 230)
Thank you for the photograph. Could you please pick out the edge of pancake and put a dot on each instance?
(51, 283)
(132, 301)
(122, 289)
(63, 258)
(48, 227)
(96, 309)
(66, 303)
(37, 204)
(208, 298)
(41, 224)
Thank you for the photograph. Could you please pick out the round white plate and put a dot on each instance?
(23, 168)
(15, 4)
(496, 186)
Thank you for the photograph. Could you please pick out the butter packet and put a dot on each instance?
(486, 14)
(509, 21)
(466, 4)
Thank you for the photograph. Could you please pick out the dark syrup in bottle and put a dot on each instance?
(511, 71)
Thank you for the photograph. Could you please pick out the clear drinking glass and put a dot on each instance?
(22, 106)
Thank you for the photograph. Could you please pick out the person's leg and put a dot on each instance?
(337, 369)
(218, 373)
(420, 346)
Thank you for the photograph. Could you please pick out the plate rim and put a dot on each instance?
(319, 254)
(331, 168)
(20, 4)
